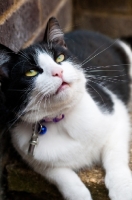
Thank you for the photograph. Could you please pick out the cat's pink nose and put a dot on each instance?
(57, 71)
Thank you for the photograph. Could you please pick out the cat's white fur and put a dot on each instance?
(84, 137)
(128, 51)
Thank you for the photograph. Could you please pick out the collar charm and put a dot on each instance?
(40, 129)
(37, 129)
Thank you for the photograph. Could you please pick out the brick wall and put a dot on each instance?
(111, 17)
(23, 21)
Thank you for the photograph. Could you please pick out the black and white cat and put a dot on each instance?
(72, 106)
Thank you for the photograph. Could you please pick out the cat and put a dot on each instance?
(65, 103)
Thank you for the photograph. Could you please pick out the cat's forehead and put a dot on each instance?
(44, 58)
(40, 51)
(41, 54)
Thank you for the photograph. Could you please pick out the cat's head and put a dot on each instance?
(43, 80)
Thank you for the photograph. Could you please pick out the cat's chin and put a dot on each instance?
(58, 104)
(66, 97)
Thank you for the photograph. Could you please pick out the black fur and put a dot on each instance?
(107, 64)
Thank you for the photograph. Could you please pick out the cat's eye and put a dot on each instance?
(60, 58)
(31, 73)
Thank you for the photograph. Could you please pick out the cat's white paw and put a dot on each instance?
(120, 189)
(77, 192)
(80, 195)
(121, 194)
(70, 186)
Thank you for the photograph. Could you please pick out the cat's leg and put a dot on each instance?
(68, 183)
(115, 160)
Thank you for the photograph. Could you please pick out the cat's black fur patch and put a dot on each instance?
(105, 52)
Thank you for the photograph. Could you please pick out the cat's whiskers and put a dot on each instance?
(97, 93)
(18, 64)
(16, 90)
(50, 104)
(110, 78)
(16, 119)
(103, 78)
(96, 75)
(15, 108)
(40, 96)
(92, 54)
(37, 110)
(103, 66)
(112, 70)
(21, 53)
(86, 61)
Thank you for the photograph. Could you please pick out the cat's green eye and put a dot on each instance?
(60, 58)
(31, 73)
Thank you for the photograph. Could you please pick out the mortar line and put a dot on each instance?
(8, 13)
(39, 30)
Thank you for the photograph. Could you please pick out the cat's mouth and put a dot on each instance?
(63, 86)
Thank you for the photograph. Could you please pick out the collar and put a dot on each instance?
(41, 129)
(56, 119)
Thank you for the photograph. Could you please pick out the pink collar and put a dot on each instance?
(56, 119)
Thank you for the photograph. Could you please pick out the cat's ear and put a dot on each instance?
(53, 33)
(5, 58)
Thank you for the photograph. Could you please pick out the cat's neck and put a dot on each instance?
(53, 119)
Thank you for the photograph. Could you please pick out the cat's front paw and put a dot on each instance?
(120, 189)
(80, 195)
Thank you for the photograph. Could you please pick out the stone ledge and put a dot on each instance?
(23, 181)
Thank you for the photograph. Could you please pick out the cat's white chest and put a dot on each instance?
(70, 142)
(56, 146)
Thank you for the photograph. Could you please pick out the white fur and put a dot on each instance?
(128, 51)
(85, 136)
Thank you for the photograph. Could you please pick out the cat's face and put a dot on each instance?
(43, 80)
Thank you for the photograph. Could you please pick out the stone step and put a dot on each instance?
(23, 179)
(25, 183)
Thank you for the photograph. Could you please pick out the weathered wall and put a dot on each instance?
(111, 17)
(23, 21)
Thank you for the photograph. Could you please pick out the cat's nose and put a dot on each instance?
(57, 71)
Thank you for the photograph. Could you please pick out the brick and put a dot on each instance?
(64, 19)
(26, 183)
(20, 26)
(47, 7)
(20, 179)
(65, 16)
(106, 6)
(112, 25)
(4, 5)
